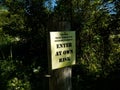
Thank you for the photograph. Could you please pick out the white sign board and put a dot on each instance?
(63, 49)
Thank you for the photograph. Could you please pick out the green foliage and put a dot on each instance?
(23, 42)
(17, 84)
(11, 78)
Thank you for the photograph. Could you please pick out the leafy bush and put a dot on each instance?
(12, 77)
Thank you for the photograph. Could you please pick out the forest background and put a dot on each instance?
(24, 25)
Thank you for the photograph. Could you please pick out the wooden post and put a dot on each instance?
(61, 78)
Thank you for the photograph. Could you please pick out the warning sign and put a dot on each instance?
(63, 49)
